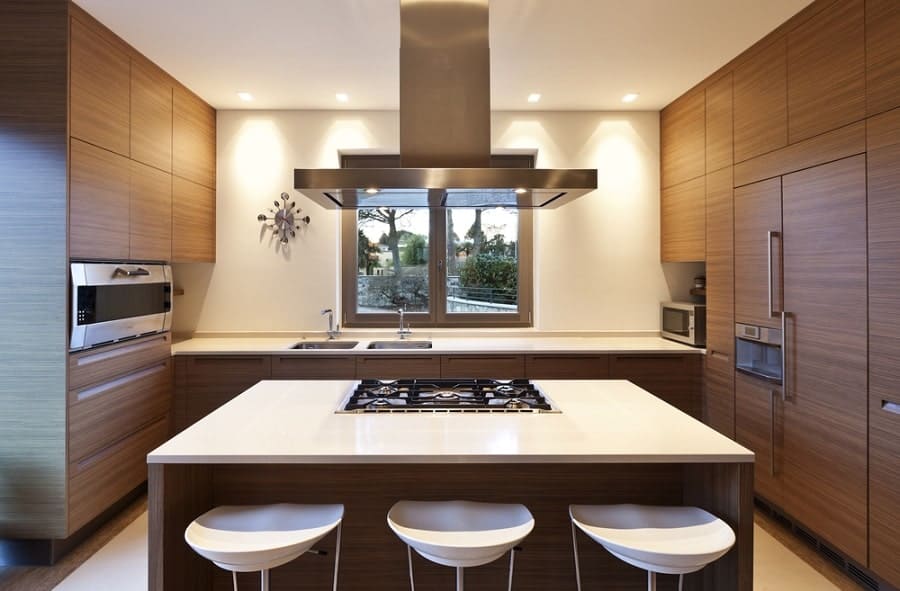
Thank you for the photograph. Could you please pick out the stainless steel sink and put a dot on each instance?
(399, 345)
(325, 345)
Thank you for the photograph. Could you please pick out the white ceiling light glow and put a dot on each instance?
(245, 96)
(534, 97)
(630, 97)
(342, 97)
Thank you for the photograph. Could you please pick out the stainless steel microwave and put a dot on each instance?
(112, 302)
(683, 322)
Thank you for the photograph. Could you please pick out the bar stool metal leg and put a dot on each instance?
(577, 565)
(512, 558)
(337, 555)
(651, 580)
(412, 582)
(234, 579)
(459, 578)
(264, 580)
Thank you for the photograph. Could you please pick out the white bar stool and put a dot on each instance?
(247, 538)
(668, 540)
(460, 533)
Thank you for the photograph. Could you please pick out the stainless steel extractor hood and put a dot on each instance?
(445, 127)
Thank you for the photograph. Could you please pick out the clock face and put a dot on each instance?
(284, 219)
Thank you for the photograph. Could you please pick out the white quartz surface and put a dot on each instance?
(601, 421)
(440, 344)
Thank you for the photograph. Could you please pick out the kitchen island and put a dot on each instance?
(281, 441)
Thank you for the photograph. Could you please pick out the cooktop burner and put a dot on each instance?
(422, 395)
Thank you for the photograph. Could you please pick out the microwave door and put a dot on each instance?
(676, 322)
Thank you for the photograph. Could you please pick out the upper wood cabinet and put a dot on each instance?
(98, 203)
(826, 71)
(760, 101)
(99, 90)
(682, 139)
(193, 222)
(882, 55)
(151, 115)
(683, 222)
(194, 139)
(719, 124)
(151, 213)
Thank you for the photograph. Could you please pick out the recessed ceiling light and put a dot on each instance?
(534, 97)
(371, 190)
(245, 96)
(342, 97)
(630, 97)
(520, 191)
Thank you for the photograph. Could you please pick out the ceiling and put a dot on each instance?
(578, 54)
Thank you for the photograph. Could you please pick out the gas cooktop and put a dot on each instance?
(443, 395)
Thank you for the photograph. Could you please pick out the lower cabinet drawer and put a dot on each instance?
(103, 413)
(98, 481)
(90, 367)
(318, 367)
(567, 367)
(483, 366)
(398, 366)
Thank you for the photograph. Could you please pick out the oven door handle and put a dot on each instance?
(140, 271)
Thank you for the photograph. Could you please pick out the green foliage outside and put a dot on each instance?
(416, 251)
(489, 271)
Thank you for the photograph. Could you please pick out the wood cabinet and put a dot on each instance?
(883, 167)
(760, 101)
(193, 222)
(757, 225)
(151, 115)
(759, 426)
(719, 124)
(483, 366)
(882, 55)
(398, 366)
(99, 90)
(824, 210)
(827, 71)
(193, 139)
(203, 383)
(682, 139)
(99, 206)
(150, 218)
(319, 367)
(718, 393)
(683, 222)
(567, 366)
(674, 378)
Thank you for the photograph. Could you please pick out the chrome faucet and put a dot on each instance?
(403, 332)
(334, 331)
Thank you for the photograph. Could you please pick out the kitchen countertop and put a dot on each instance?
(474, 343)
(608, 421)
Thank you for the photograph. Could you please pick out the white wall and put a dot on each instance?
(596, 259)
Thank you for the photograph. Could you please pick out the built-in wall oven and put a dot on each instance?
(113, 302)
(759, 352)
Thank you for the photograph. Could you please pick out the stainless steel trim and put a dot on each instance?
(784, 369)
(770, 234)
(891, 407)
(758, 374)
(772, 395)
(762, 334)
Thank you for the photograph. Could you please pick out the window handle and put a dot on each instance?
(440, 265)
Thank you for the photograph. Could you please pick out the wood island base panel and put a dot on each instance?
(374, 559)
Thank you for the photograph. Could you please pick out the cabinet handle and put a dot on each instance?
(103, 355)
(784, 366)
(769, 236)
(891, 407)
(772, 432)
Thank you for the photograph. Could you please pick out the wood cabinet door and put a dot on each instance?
(682, 135)
(760, 102)
(151, 213)
(203, 383)
(882, 55)
(757, 212)
(826, 352)
(318, 367)
(395, 367)
(883, 167)
(193, 138)
(827, 71)
(567, 366)
(683, 222)
(674, 378)
(99, 90)
(759, 426)
(99, 186)
(151, 115)
(720, 262)
(718, 393)
(504, 367)
(193, 222)
(719, 124)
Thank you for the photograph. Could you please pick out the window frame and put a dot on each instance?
(437, 316)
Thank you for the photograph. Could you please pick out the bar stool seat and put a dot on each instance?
(243, 538)
(668, 540)
(460, 533)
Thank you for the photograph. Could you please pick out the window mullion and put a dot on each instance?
(438, 264)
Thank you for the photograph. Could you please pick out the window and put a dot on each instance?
(446, 266)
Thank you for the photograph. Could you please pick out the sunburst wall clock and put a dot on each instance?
(285, 219)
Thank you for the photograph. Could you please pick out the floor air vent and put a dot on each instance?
(861, 577)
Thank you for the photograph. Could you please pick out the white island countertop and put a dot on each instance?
(602, 421)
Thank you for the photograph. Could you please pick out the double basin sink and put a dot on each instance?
(316, 345)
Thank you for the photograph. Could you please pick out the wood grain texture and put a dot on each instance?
(825, 295)
(883, 179)
(33, 269)
(483, 366)
(320, 367)
(150, 221)
(98, 365)
(759, 426)
(398, 366)
(99, 203)
(373, 559)
(682, 140)
(203, 383)
(827, 71)
(104, 413)
(720, 262)
(683, 222)
(98, 481)
(718, 393)
(193, 222)
(151, 114)
(760, 101)
(193, 138)
(757, 210)
(720, 124)
(100, 90)
(551, 366)
(882, 55)
(821, 149)
(673, 378)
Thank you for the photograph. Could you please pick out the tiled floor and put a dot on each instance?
(782, 563)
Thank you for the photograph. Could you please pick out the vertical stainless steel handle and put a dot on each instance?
(772, 432)
(784, 365)
(769, 235)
